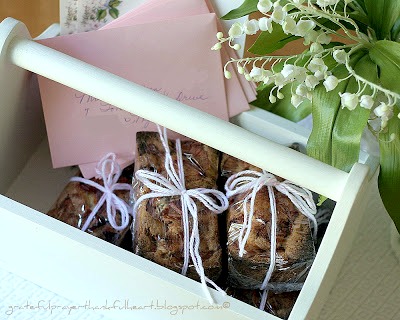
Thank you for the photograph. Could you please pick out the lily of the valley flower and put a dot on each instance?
(349, 100)
(264, 6)
(325, 3)
(317, 64)
(367, 101)
(235, 31)
(251, 27)
(265, 24)
(316, 48)
(296, 100)
(287, 70)
(330, 83)
(340, 56)
(256, 74)
(304, 27)
(289, 26)
(384, 112)
(302, 90)
(278, 15)
(311, 81)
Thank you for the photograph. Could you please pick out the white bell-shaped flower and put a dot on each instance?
(323, 38)
(349, 100)
(367, 101)
(310, 37)
(304, 26)
(296, 100)
(320, 75)
(340, 56)
(288, 69)
(330, 83)
(316, 48)
(311, 81)
(251, 27)
(265, 24)
(236, 30)
(280, 80)
(269, 77)
(325, 3)
(289, 26)
(257, 74)
(302, 90)
(317, 64)
(264, 6)
(278, 15)
(383, 111)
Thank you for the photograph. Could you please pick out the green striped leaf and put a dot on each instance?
(382, 15)
(386, 54)
(350, 124)
(325, 106)
(389, 174)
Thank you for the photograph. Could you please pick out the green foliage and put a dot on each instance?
(350, 124)
(267, 43)
(386, 54)
(389, 174)
(101, 14)
(113, 12)
(247, 7)
(382, 15)
(284, 107)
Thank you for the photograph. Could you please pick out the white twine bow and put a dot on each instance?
(249, 180)
(174, 185)
(110, 171)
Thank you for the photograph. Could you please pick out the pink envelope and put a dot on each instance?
(82, 129)
(238, 90)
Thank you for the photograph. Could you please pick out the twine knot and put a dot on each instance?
(109, 171)
(174, 185)
(252, 181)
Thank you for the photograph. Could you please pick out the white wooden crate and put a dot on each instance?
(80, 267)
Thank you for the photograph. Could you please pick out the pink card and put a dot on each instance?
(238, 90)
(82, 129)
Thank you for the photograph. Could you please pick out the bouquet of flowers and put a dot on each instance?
(345, 76)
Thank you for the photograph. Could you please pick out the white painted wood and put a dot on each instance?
(189, 121)
(62, 259)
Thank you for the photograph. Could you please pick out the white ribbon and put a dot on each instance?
(174, 185)
(249, 180)
(110, 171)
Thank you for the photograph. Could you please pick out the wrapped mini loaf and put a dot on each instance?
(77, 200)
(158, 232)
(294, 243)
(277, 304)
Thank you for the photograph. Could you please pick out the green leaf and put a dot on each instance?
(389, 174)
(113, 12)
(382, 15)
(386, 54)
(114, 3)
(101, 14)
(325, 106)
(247, 7)
(350, 124)
(395, 33)
(283, 107)
(267, 43)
